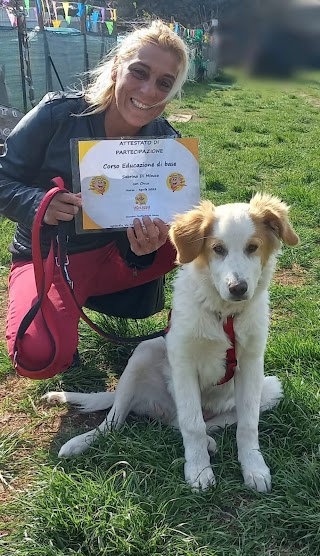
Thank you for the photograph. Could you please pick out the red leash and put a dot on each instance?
(43, 278)
(44, 272)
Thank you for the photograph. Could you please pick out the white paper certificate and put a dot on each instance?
(122, 179)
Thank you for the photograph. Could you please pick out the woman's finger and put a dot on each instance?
(62, 207)
(147, 236)
(138, 231)
(68, 198)
(163, 230)
(150, 230)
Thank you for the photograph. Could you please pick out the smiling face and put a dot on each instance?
(100, 185)
(141, 83)
(175, 181)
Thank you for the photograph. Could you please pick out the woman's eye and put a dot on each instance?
(219, 250)
(138, 73)
(166, 85)
(252, 248)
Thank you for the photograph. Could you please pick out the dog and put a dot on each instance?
(227, 255)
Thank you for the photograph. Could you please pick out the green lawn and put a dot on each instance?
(126, 495)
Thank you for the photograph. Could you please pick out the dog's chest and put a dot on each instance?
(204, 343)
(209, 346)
(210, 361)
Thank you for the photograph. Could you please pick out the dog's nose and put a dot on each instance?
(238, 289)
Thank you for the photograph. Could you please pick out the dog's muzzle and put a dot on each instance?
(238, 290)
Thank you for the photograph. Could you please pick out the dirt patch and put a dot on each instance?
(295, 276)
(277, 314)
(314, 101)
(41, 426)
(186, 116)
(179, 118)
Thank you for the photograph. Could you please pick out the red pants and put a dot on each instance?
(97, 272)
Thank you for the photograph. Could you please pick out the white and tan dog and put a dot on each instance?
(228, 255)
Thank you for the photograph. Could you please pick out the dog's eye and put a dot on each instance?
(251, 248)
(219, 249)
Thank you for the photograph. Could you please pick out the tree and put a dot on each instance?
(183, 11)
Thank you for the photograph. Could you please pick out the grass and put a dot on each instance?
(126, 495)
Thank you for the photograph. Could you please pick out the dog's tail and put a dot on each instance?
(86, 403)
(270, 396)
(271, 393)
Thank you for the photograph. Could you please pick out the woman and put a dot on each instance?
(126, 96)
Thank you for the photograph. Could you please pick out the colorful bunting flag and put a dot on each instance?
(54, 5)
(109, 25)
(80, 10)
(48, 10)
(65, 6)
(43, 8)
(12, 17)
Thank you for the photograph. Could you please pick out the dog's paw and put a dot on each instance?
(212, 445)
(75, 446)
(198, 476)
(54, 398)
(259, 479)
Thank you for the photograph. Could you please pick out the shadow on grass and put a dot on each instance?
(213, 184)
(101, 364)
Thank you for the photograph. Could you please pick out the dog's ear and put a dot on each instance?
(274, 214)
(189, 231)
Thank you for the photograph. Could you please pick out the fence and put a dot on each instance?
(59, 57)
(56, 58)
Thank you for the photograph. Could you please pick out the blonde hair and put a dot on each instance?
(100, 92)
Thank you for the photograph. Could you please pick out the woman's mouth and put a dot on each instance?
(139, 105)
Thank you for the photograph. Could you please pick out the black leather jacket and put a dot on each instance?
(38, 150)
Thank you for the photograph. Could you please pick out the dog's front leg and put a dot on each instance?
(248, 388)
(197, 469)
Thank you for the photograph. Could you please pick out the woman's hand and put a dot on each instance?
(147, 236)
(63, 206)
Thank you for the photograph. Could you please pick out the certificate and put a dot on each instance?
(124, 179)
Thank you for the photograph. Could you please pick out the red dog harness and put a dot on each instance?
(231, 360)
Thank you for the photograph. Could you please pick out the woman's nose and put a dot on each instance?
(150, 91)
